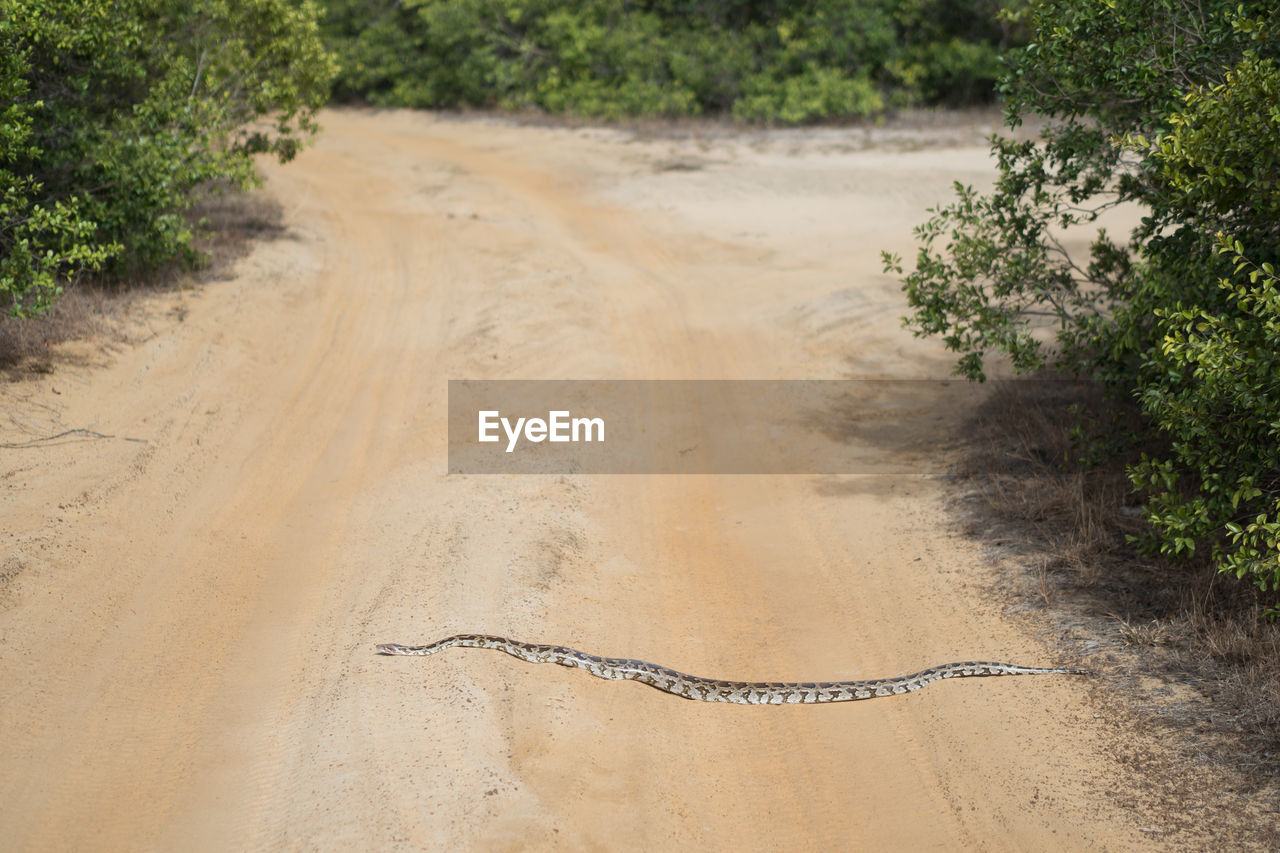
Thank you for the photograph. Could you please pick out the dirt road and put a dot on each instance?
(190, 607)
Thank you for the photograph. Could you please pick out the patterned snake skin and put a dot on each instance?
(715, 690)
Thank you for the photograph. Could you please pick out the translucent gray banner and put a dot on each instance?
(702, 426)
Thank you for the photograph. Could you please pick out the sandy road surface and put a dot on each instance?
(188, 620)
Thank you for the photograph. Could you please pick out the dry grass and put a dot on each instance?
(1019, 460)
(1152, 629)
(1153, 633)
(101, 311)
(85, 310)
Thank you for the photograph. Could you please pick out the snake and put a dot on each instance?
(718, 690)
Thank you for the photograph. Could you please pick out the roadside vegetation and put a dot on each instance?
(116, 117)
(1173, 106)
(771, 61)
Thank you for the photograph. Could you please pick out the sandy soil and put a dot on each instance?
(188, 621)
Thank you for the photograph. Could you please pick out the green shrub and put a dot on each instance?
(817, 93)
(1212, 386)
(787, 62)
(118, 111)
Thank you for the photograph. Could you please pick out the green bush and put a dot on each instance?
(817, 93)
(769, 62)
(118, 111)
(1212, 386)
(1180, 113)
